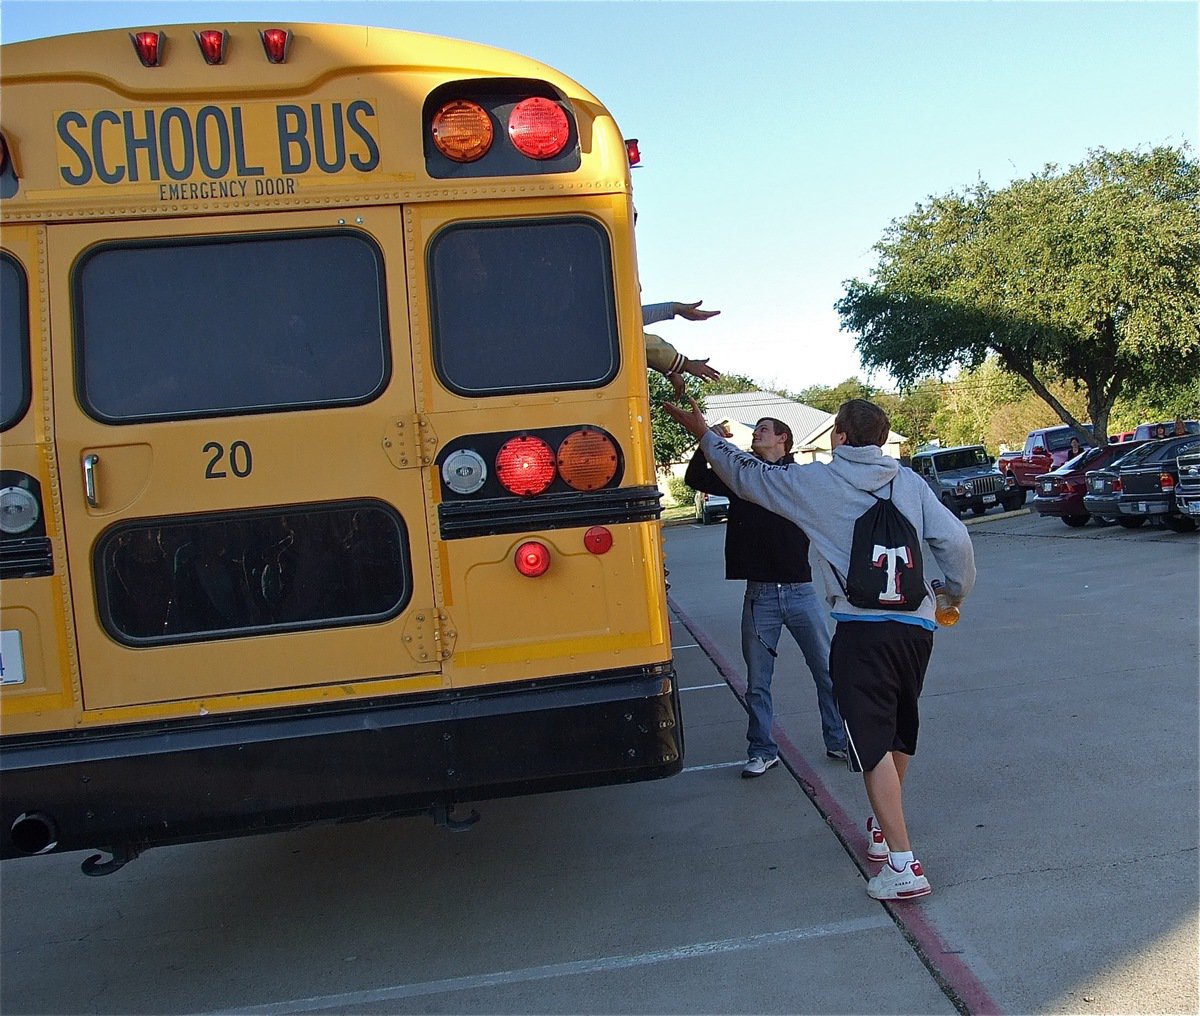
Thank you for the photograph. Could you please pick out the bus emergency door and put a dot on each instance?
(241, 457)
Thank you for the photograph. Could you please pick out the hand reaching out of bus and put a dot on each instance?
(692, 311)
(654, 312)
(700, 369)
(678, 384)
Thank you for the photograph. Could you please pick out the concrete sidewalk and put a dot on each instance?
(1054, 798)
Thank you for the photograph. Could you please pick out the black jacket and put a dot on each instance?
(759, 545)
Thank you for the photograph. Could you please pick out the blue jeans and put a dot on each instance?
(769, 606)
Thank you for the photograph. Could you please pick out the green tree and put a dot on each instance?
(829, 399)
(671, 442)
(1089, 277)
(730, 384)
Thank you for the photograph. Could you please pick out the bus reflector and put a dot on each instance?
(532, 559)
(538, 128)
(462, 131)
(632, 152)
(275, 43)
(598, 540)
(149, 47)
(587, 459)
(525, 465)
(212, 45)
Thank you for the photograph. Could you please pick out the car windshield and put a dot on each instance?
(1057, 440)
(963, 458)
(1164, 451)
(1083, 459)
(1137, 455)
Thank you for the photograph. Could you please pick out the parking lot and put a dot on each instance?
(1054, 803)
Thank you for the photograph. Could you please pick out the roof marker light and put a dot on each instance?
(149, 47)
(539, 128)
(212, 45)
(276, 42)
(632, 152)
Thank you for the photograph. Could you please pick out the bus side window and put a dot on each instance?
(15, 386)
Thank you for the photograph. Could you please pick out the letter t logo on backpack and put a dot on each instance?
(885, 560)
(891, 560)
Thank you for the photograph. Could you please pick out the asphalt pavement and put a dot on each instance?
(1053, 802)
(1053, 799)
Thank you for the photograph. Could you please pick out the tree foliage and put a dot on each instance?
(671, 442)
(1089, 277)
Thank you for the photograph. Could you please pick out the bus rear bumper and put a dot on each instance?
(127, 789)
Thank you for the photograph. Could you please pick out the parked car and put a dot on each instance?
(1046, 449)
(710, 507)
(1187, 490)
(964, 477)
(1061, 492)
(1142, 485)
(1125, 435)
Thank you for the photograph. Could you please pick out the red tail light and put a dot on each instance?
(1117, 486)
(525, 466)
(275, 43)
(149, 47)
(532, 559)
(212, 45)
(538, 128)
(1166, 481)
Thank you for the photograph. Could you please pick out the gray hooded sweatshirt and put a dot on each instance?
(825, 499)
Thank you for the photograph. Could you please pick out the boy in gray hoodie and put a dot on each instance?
(878, 657)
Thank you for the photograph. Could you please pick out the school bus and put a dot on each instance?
(327, 482)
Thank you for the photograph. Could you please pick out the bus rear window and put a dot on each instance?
(313, 566)
(14, 343)
(176, 329)
(523, 306)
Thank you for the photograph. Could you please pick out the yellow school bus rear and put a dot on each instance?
(327, 477)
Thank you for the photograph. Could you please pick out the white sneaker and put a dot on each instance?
(906, 884)
(756, 766)
(877, 848)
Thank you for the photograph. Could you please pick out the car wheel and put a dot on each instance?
(950, 505)
(1177, 524)
(1011, 504)
(1131, 521)
(1075, 521)
(1104, 520)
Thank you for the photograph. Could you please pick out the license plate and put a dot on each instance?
(1141, 506)
(12, 660)
(1192, 507)
(989, 498)
(1047, 486)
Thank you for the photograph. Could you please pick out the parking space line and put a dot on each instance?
(713, 765)
(705, 687)
(601, 964)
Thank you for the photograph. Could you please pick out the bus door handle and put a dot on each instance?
(89, 479)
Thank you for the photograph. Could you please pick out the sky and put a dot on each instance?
(779, 140)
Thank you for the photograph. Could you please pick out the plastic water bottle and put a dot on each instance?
(946, 612)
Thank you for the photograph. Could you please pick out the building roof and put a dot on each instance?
(747, 408)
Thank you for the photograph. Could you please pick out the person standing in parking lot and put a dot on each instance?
(771, 554)
(879, 653)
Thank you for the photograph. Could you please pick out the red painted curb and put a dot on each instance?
(950, 971)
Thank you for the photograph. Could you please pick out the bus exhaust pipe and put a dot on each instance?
(33, 832)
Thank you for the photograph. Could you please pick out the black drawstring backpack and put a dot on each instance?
(885, 560)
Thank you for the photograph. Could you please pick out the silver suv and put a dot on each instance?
(965, 477)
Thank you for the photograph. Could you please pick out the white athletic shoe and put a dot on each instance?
(877, 848)
(907, 884)
(756, 765)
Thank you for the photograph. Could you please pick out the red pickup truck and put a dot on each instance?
(1045, 449)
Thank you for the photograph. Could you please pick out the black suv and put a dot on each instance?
(964, 478)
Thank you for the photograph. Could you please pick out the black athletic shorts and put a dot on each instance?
(878, 668)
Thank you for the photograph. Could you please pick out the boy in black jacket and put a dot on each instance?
(771, 554)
